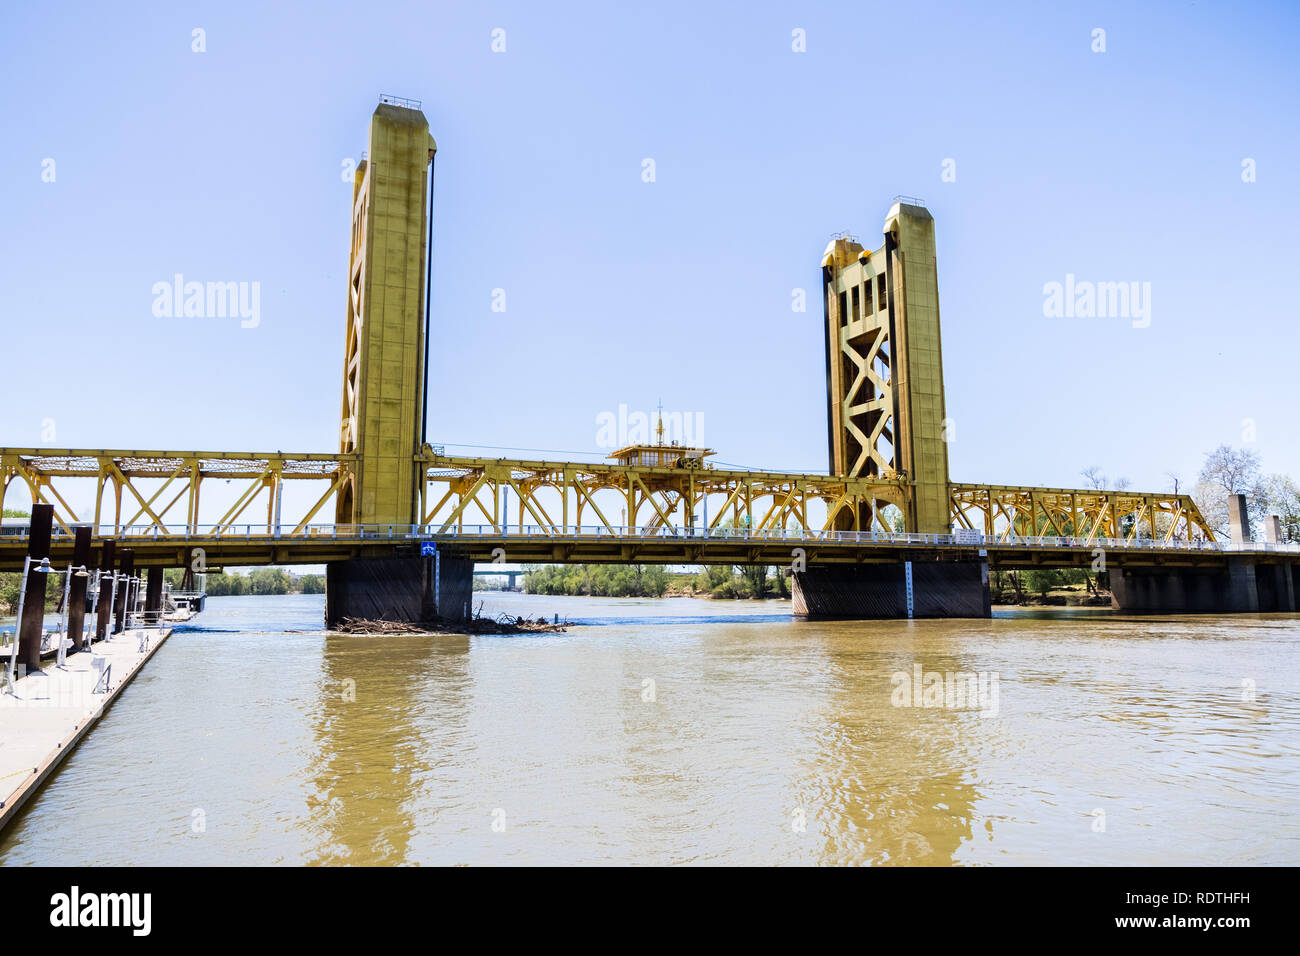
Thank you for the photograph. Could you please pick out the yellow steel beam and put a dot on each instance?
(465, 499)
(650, 498)
(525, 501)
(254, 488)
(320, 503)
(580, 487)
(154, 497)
(997, 510)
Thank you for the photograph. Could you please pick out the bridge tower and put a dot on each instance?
(384, 351)
(384, 379)
(885, 417)
(884, 364)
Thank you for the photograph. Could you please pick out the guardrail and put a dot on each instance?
(960, 539)
(399, 101)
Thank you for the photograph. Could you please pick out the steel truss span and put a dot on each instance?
(571, 511)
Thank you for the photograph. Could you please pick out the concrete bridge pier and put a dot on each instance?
(905, 589)
(406, 589)
(1276, 585)
(1242, 587)
(1194, 590)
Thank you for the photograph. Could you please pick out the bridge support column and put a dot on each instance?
(1242, 587)
(29, 629)
(104, 605)
(1276, 587)
(406, 589)
(153, 599)
(938, 589)
(77, 588)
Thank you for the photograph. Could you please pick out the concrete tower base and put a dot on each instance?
(939, 589)
(411, 590)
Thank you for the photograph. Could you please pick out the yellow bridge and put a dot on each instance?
(387, 505)
(150, 501)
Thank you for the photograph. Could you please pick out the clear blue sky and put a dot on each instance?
(225, 165)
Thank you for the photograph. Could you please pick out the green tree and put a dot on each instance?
(1279, 495)
(1077, 576)
(756, 577)
(600, 580)
(892, 518)
(655, 581)
(714, 576)
(781, 582)
(1041, 580)
(312, 584)
(269, 581)
(221, 584)
(10, 581)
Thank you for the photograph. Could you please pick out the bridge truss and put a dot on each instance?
(113, 490)
(163, 490)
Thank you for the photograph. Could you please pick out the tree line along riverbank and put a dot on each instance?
(651, 580)
(218, 584)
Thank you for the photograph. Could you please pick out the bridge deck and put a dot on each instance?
(318, 544)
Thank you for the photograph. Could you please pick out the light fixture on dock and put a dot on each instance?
(11, 672)
(63, 638)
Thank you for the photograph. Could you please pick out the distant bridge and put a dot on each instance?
(512, 576)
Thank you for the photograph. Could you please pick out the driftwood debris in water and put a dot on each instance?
(501, 624)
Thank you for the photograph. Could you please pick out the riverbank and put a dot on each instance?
(1057, 597)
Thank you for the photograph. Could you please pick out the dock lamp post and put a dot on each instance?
(62, 657)
(132, 617)
(11, 674)
(94, 604)
(139, 615)
(112, 607)
(132, 594)
(126, 601)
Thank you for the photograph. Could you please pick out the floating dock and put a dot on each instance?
(52, 709)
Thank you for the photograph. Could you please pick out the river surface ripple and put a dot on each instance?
(689, 731)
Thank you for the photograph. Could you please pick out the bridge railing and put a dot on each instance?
(962, 539)
(958, 539)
